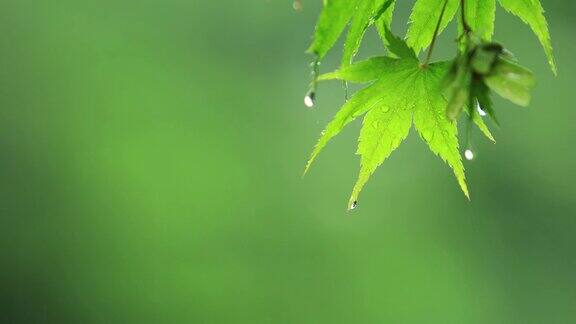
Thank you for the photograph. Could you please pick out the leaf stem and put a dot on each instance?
(465, 25)
(431, 48)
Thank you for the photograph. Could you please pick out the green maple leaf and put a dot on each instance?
(333, 19)
(367, 12)
(367, 70)
(479, 121)
(396, 46)
(336, 15)
(393, 71)
(360, 14)
(431, 122)
(480, 16)
(532, 13)
(423, 21)
(403, 91)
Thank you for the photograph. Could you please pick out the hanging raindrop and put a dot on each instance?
(309, 99)
(354, 205)
(480, 110)
(469, 155)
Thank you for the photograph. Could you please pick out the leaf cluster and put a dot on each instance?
(481, 68)
(401, 91)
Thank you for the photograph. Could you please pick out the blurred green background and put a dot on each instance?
(150, 172)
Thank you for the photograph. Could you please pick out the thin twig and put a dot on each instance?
(465, 25)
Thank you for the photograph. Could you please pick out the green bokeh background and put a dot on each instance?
(150, 172)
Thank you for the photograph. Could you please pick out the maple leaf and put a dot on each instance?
(337, 14)
(360, 14)
(367, 12)
(424, 18)
(386, 70)
(403, 92)
(333, 19)
(480, 16)
(532, 13)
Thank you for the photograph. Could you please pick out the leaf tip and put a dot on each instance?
(488, 135)
(465, 190)
(306, 168)
(352, 204)
(553, 67)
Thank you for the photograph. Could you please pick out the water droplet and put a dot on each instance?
(480, 110)
(469, 155)
(354, 205)
(322, 133)
(309, 100)
(297, 5)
